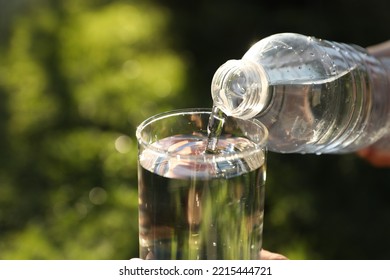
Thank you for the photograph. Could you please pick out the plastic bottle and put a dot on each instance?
(315, 96)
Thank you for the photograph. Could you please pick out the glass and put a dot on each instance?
(198, 205)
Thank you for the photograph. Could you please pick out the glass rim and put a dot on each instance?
(259, 145)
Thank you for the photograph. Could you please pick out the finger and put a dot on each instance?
(267, 255)
(380, 50)
(375, 158)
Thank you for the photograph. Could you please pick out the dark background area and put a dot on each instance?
(72, 92)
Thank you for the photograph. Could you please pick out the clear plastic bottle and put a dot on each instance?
(315, 96)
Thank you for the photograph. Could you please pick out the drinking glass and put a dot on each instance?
(195, 204)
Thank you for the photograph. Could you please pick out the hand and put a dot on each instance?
(264, 255)
(267, 255)
(378, 158)
(375, 157)
(380, 50)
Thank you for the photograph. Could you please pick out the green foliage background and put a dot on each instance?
(77, 77)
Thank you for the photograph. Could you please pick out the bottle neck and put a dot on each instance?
(240, 88)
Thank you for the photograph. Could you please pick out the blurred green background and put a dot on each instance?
(77, 77)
